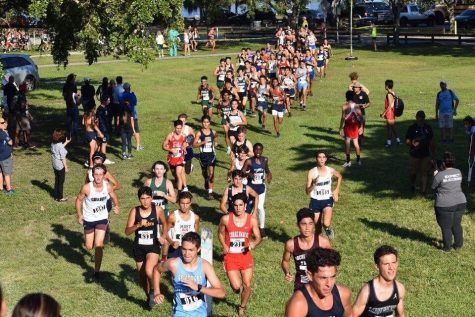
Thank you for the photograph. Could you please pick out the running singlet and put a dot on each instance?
(376, 308)
(182, 226)
(94, 206)
(259, 172)
(177, 158)
(147, 235)
(187, 302)
(208, 147)
(352, 123)
(308, 62)
(205, 93)
(230, 196)
(234, 119)
(221, 74)
(320, 58)
(241, 83)
(157, 200)
(313, 311)
(225, 110)
(301, 74)
(301, 263)
(261, 93)
(287, 83)
(237, 238)
(322, 190)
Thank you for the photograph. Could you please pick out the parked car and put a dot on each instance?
(314, 17)
(440, 12)
(21, 67)
(466, 19)
(368, 12)
(411, 15)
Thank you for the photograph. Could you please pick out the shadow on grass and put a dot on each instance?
(400, 232)
(43, 186)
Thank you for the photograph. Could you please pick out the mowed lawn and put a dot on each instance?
(41, 242)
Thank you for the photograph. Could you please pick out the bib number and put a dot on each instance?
(146, 237)
(190, 302)
(237, 245)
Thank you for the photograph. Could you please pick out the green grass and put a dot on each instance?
(41, 242)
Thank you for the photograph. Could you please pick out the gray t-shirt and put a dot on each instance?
(448, 186)
(58, 153)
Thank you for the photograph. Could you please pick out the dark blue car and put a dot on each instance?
(466, 19)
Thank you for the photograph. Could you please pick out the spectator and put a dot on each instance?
(11, 92)
(110, 110)
(87, 95)
(60, 165)
(102, 124)
(72, 111)
(160, 40)
(420, 139)
(6, 161)
(117, 91)
(446, 105)
(128, 96)
(450, 202)
(126, 124)
(102, 90)
(23, 125)
(37, 305)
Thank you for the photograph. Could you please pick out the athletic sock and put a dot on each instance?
(388, 142)
(262, 217)
(347, 158)
(210, 191)
(358, 157)
(398, 140)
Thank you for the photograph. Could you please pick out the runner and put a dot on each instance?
(220, 73)
(262, 104)
(319, 187)
(205, 96)
(236, 119)
(362, 100)
(383, 295)
(328, 53)
(176, 145)
(288, 83)
(143, 221)
(191, 275)
(243, 83)
(278, 106)
(91, 212)
(224, 108)
(350, 127)
(321, 297)
(311, 63)
(189, 135)
(181, 221)
(241, 141)
(92, 133)
(257, 171)
(238, 162)
(299, 246)
(206, 139)
(389, 113)
(237, 186)
(302, 82)
(235, 230)
(321, 62)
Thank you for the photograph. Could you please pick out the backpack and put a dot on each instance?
(398, 106)
(451, 95)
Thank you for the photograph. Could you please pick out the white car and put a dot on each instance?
(22, 68)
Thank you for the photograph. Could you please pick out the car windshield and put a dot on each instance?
(414, 9)
(380, 6)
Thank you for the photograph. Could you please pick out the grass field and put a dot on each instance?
(41, 242)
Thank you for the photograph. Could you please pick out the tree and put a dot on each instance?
(105, 26)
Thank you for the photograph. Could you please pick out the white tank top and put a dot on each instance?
(94, 206)
(234, 119)
(182, 226)
(322, 190)
(238, 166)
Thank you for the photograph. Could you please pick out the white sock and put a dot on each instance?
(388, 141)
(210, 191)
(262, 217)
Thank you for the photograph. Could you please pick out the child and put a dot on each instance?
(60, 166)
(23, 126)
(126, 125)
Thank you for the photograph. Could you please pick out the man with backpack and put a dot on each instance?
(446, 104)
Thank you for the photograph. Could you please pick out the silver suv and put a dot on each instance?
(22, 68)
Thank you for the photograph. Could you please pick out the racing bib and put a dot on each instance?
(145, 237)
(236, 245)
(190, 302)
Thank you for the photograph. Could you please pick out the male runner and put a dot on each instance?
(299, 246)
(189, 134)
(181, 221)
(224, 108)
(235, 230)
(321, 297)
(361, 99)
(237, 186)
(319, 187)
(257, 171)
(278, 106)
(190, 274)
(206, 139)
(383, 295)
(175, 144)
(205, 96)
(302, 82)
(92, 214)
(350, 127)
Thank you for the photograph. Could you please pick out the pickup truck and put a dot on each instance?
(410, 14)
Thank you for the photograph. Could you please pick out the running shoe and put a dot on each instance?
(191, 168)
(260, 120)
(359, 163)
(210, 196)
(228, 151)
(86, 164)
(329, 233)
(124, 156)
(151, 302)
(96, 277)
(9, 192)
(290, 114)
(185, 189)
(278, 134)
(108, 162)
(130, 156)
(263, 126)
(347, 164)
(263, 234)
(140, 148)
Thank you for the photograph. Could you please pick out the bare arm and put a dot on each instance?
(222, 233)
(257, 234)
(131, 225)
(336, 191)
(345, 295)
(115, 200)
(171, 224)
(360, 302)
(197, 142)
(402, 295)
(224, 200)
(268, 172)
(170, 192)
(113, 181)
(285, 264)
(165, 144)
(163, 220)
(197, 223)
(80, 197)
(310, 183)
(255, 195)
(296, 306)
(216, 290)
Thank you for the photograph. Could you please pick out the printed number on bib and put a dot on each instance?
(99, 209)
(146, 237)
(190, 302)
(236, 246)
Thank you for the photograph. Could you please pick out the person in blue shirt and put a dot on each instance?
(129, 96)
(446, 104)
(102, 114)
(6, 161)
(190, 274)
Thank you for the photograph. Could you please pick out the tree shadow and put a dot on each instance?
(277, 234)
(142, 176)
(400, 232)
(43, 186)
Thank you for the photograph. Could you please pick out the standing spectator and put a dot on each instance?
(389, 113)
(374, 36)
(23, 125)
(102, 90)
(129, 96)
(10, 90)
(87, 95)
(110, 110)
(102, 124)
(160, 40)
(446, 105)
(186, 41)
(72, 111)
(6, 161)
(60, 165)
(194, 39)
(420, 139)
(450, 202)
(117, 91)
(126, 126)
(38, 305)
